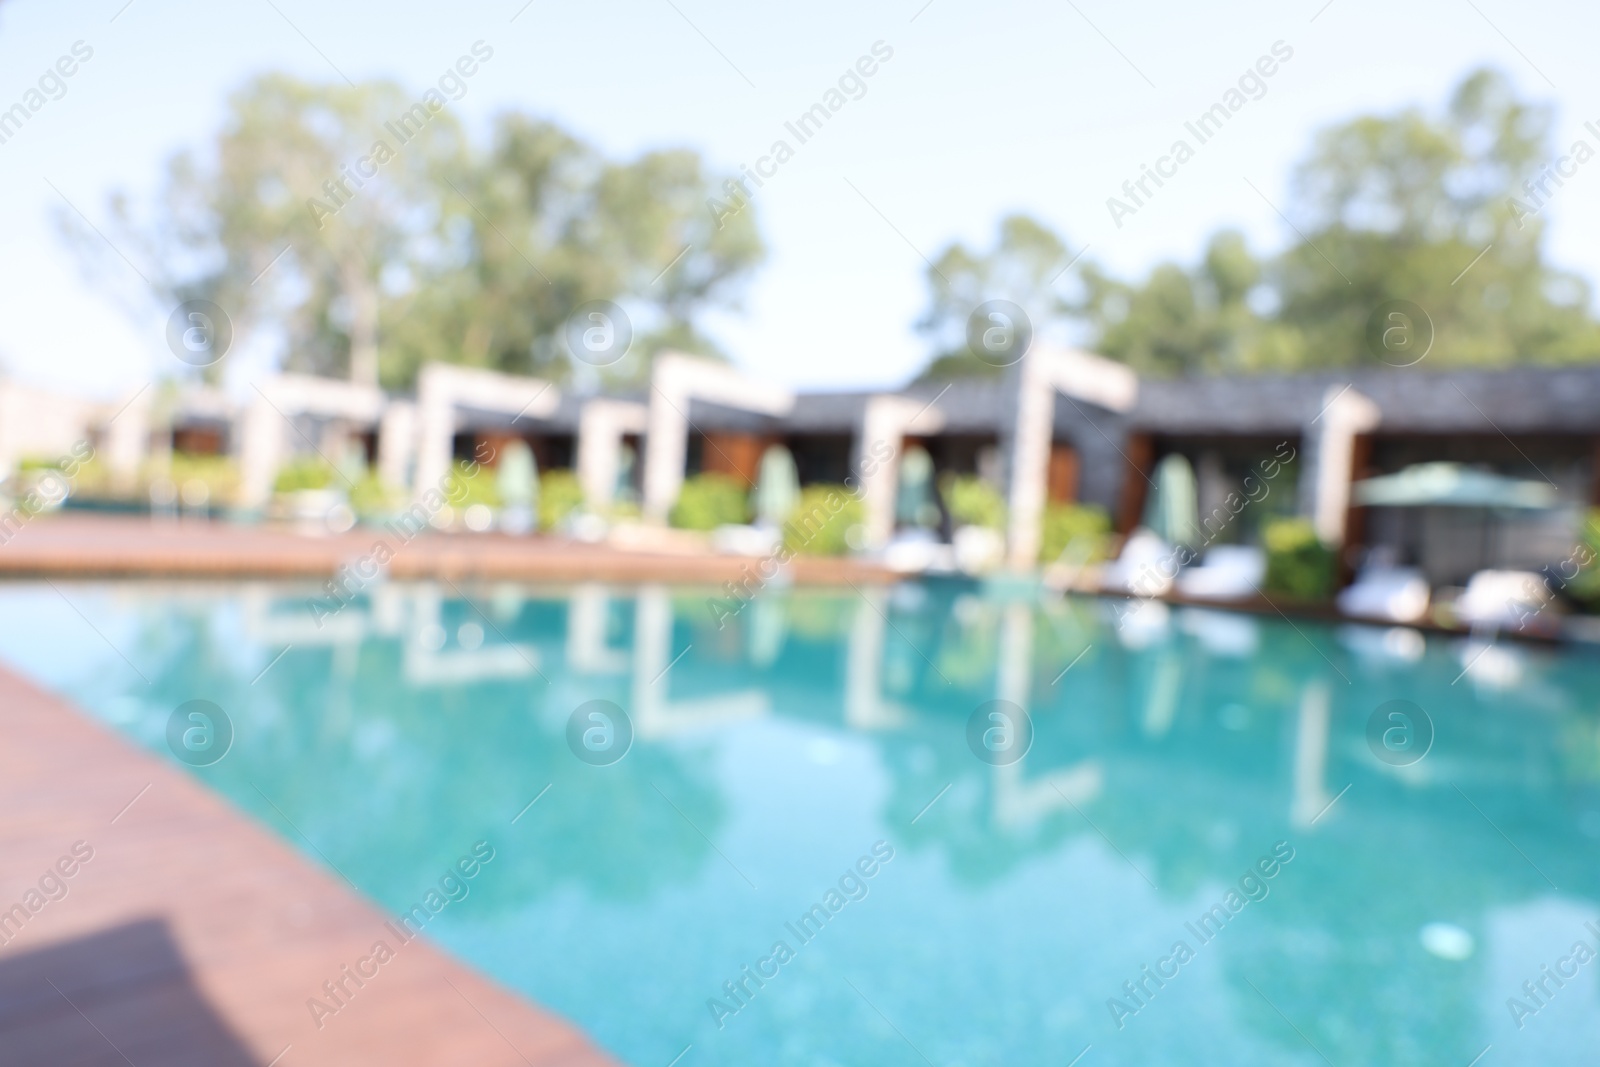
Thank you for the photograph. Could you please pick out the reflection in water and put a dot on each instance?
(655, 714)
(1310, 755)
(1168, 754)
(865, 706)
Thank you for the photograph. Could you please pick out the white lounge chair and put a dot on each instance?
(1229, 572)
(1503, 599)
(1145, 567)
(1390, 594)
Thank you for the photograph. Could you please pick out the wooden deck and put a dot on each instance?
(195, 937)
(87, 545)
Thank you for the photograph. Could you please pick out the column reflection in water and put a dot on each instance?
(474, 650)
(1311, 754)
(1021, 800)
(865, 706)
(655, 714)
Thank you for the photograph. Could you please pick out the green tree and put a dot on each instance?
(544, 224)
(1444, 211)
(276, 225)
(1181, 321)
(1402, 207)
(360, 227)
(1026, 259)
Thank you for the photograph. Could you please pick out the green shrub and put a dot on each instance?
(93, 480)
(1585, 586)
(1299, 565)
(1084, 525)
(219, 473)
(709, 500)
(304, 472)
(559, 496)
(471, 484)
(973, 502)
(372, 499)
(820, 523)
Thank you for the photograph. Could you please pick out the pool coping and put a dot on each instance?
(255, 927)
(101, 546)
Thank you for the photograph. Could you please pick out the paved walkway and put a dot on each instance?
(192, 936)
(86, 545)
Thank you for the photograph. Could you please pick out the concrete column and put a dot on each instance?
(261, 452)
(1327, 467)
(397, 443)
(266, 438)
(1034, 383)
(666, 449)
(601, 426)
(443, 388)
(436, 431)
(127, 439)
(887, 420)
(676, 380)
(1027, 436)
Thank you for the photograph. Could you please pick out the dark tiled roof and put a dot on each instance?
(563, 420)
(1520, 400)
(826, 413)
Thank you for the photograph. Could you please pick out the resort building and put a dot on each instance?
(1447, 473)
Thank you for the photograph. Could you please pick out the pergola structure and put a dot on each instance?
(602, 425)
(269, 424)
(1329, 440)
(1037, 378)
(445, 390)
(125, 440)
(886, 420)
(676, 382)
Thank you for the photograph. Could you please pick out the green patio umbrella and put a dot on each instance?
(1174, 513)
(1452, 485)
(777, 486)
(913, 505)
(517, 480)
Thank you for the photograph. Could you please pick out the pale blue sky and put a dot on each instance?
(984, 109)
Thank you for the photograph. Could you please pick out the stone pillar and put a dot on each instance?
(886, 420)
(397, 443)
(675, 381)
(601, 426)
(127, 440)
(1027, 435)
(666, 449)
(267, 426)
(1030, 426)
(442, 388)
(1327, 465)
(261, 451)
(436, 434)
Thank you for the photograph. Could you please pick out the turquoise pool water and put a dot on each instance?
(1180, 756)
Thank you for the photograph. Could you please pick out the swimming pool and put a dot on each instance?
(818, 774)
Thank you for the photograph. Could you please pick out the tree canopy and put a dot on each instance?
(1441, 210)
(369, 234)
